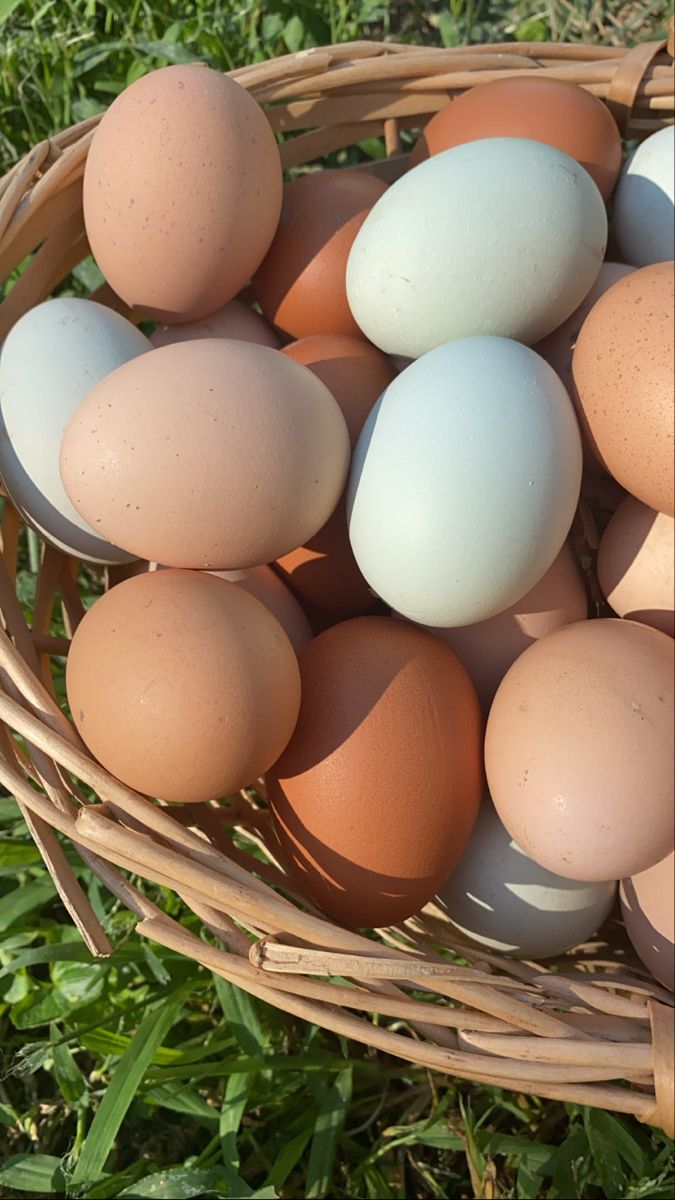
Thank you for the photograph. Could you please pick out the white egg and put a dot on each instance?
(644, 201)
(50, 359)
(501, 236)
(464, 482)
(500, 898)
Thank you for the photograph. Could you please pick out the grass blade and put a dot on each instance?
(333, 1105)
(38, 1174)
(126, 1078)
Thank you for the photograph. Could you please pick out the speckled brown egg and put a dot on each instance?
(579, 749)
(323, 572)
(301, 283)
(234, 320)
(488, 648)
(376, 795)
(623, 368)
(182, 192)
(184, 687)
(216, 454)
(648, 908)
(543, 110)
(636, 565)
(269, 589)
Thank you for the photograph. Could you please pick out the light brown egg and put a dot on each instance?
(234, 320)
(558, 346)
(543, 110)
(579, 749)
(215, 455)
(376, 795)
(648, 908)
(301, 283)
(323, 572)
(636, 565)
(182, 192)
(488, 648)
(182, 686)
(623, 368)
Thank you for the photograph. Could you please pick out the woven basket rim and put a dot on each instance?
(594, 1032)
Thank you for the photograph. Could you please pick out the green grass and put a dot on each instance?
(143, 1075)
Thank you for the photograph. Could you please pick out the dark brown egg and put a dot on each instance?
(376, 795)
(300, 284)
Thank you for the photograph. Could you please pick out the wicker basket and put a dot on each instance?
(596, 1030)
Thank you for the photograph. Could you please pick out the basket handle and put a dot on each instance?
(625, 85)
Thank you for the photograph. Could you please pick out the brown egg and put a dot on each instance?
(376, 795)
(579, 749)
(265, 585)
(636, 565)
(215, 454)
(355, 372)
(234, 320)
(323, 572)
(182, 192)
(558, 346)
(182, 686)
(488, 648)
(624, 376)
(647, 906)
(301, 283)
(542, 110)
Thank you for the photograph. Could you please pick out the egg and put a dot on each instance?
(323, 572)
(623, 368)
(464, 482)
(50, 359)
(354, 372)
(301, 283)
(648, 911)
(636, 565)
(501, 236)
(184, 687)
(579, 749)
(644, 204)
(234, 320)
(558, 346)
(376, 794)
(553, 111)
(209, 454)
(488, 648)
(500, 898)
(182, 192)
(269, 589)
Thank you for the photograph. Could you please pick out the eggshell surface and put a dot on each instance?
(187, 460)
(624, 378)
(516, 213)
(644, 205)
(464, 482)
(354, 372)
(488, 648)
(266, 586)
(579, 749)
(234, 320)
(301, 283)
(647, 906)
(543, 110)
(183, 686)
(500, 898)
(49, 361)
(375, 797)
(636, 565)
(182, 192)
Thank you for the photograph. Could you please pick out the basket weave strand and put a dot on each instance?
(598, 1031)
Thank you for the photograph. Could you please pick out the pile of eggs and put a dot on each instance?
(338, 491)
